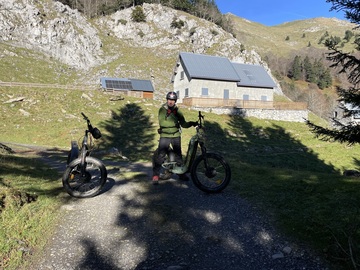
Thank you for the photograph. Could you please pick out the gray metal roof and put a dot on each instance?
(127, 84)
(253, 75)
(142, 85)
(208, 67)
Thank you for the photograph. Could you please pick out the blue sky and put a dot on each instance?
(274, 12)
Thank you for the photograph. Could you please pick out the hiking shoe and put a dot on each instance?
(184, 177)
(155, 180)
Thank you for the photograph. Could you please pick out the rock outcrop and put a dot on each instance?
(67, 35)
(51, 28)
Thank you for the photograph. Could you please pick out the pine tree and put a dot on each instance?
(348, 35)
(296, 69)
(327, 78)
(349, 64)
(138, 14)
(319, 70)
(310, 75)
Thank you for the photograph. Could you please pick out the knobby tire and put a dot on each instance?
(214, 180)
(88, 186)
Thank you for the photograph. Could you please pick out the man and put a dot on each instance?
(170, 121)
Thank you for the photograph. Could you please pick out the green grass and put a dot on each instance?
(29, 198)
(22, 65)
(272, 39)
(298, 181)
(280, 167)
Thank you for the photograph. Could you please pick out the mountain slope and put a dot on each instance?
(284, 39)
(273, 39)
(69, 48)
(112, 45)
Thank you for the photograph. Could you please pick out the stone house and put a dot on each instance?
(216, 84)
(217, 80)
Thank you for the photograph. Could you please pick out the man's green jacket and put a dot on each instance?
(170, 120)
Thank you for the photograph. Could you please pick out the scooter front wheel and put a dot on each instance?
(90, 183)
(210, 173)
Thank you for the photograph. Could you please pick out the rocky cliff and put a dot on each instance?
(51, 28)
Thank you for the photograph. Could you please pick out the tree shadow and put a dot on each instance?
(271, 146)
(357, 162)
(175, 225)
(34, 165)
(94, 259)
(130, 131)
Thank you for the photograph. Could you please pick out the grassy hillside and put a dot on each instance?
(273, 39)
(281, 43)
(22, 65)
(279, 166)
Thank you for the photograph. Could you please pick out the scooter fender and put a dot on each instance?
(179, 170)
(175, 169)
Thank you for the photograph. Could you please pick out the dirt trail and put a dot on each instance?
(135, 225)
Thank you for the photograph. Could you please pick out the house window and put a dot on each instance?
(226, 94)
(246, 97)
(186, 92)
(181, 75)
(263, 98)
(178, 93)
(204, 91)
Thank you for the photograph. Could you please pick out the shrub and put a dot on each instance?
(141, 34)
(214, 32)
(138, 14)
(192, 31)
(123, 21)
(242, 48)
(177, 24)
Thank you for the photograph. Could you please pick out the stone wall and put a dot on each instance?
(271, 114)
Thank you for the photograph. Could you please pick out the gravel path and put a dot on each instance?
(135, 225)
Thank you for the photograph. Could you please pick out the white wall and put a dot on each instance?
(216, 88)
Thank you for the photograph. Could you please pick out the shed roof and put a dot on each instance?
(199, 66)
(127, 84)
(142, 85)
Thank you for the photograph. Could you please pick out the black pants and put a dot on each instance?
(164, 144)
